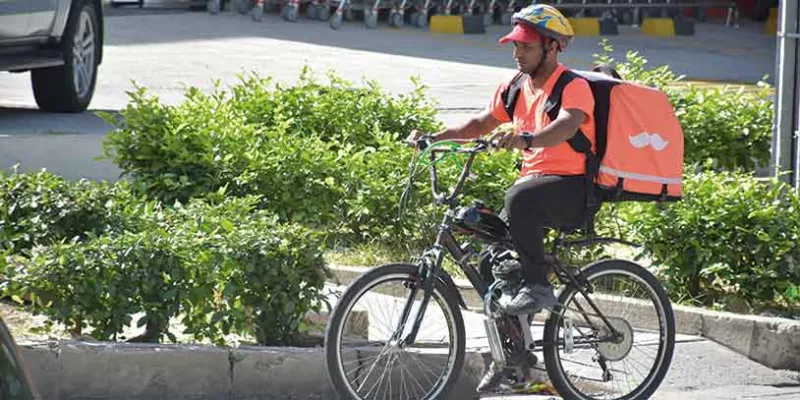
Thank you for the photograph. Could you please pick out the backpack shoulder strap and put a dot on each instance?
(579, 142)
(511, 94)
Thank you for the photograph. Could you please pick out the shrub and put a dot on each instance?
(338, 112)
(42, 208)
(730, 127)
(177, 153)
(325, 155)
(732, 239)
(220, 269)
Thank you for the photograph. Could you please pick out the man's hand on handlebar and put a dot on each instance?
(509, 141)
(415, 137)
(499, 140)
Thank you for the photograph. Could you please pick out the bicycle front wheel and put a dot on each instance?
(366, 355)
(587, 359)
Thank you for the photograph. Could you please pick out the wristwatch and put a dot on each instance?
(528, 140)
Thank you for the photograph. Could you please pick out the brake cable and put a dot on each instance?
(421, 158)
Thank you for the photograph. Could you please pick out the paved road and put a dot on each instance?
(700, 369)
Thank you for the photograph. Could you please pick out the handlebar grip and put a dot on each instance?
(424, 141)
(486, 144)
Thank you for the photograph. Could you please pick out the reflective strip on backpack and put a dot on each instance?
(640, 177)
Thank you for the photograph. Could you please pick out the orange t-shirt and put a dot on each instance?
(530, 116)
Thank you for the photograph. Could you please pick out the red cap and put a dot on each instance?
(521, 33)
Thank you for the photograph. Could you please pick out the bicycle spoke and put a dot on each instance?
(358, 360)
(622, 299)
(376, 383)
(369, 373)
(422, 362)
(360, 366)
(386, 367)
(415, 380)
(419, 365)
(643, 352)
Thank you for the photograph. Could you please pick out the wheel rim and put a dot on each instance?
(371, 373)
(636, 350)
(83, 55)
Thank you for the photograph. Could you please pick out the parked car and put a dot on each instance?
(60, 42)
(15, 380)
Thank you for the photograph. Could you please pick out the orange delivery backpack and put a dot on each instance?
(639, 140)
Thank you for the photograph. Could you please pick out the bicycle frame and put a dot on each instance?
(431, 264)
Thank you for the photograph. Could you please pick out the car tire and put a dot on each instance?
(70, 87)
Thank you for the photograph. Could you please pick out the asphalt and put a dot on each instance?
(166, 51)
(700, 369)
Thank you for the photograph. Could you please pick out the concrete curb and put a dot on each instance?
(84, 370)
(773, 342)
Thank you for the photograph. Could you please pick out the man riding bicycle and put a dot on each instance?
(413, 341)
(551, 189)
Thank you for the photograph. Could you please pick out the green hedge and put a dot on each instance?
(337, 111)
(733, 242)
(323, 155)
(42, 208)
(218, 269)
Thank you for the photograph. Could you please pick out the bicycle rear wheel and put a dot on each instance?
(589, 361)
(365, 356)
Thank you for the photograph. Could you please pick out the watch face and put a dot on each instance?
(528, 139)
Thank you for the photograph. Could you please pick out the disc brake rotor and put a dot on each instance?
(615, 350)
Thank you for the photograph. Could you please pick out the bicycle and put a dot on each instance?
(589, 343)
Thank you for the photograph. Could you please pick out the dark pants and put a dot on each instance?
(535, 203)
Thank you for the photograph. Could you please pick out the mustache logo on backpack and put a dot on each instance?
(645, 139)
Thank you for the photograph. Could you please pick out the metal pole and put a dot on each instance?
(791, 32)
(783, 137)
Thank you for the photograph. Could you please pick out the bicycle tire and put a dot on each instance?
(354, 292)
(666, 340)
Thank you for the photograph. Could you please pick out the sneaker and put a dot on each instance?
(531, 299)
(490, 383)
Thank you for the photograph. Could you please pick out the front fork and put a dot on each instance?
(429, 267)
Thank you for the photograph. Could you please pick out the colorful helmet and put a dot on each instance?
(546, 20)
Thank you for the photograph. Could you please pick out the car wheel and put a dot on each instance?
(214, 6)
(324, 12)
(69, 88)
(336, 21)
(371, 19)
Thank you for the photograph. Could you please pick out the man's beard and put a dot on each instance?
(533, 71)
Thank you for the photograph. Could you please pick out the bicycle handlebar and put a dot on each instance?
(431, 149)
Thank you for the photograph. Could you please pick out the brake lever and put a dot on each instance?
(423, 142)
(486, 144)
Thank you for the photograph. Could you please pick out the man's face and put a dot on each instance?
(528, 56)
